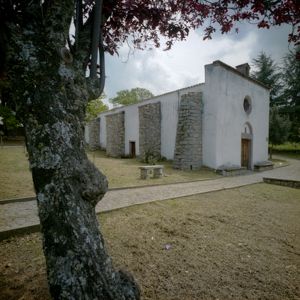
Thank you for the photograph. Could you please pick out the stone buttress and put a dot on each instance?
(94, 134)
(188, 148)
(115, 134)
(150, 130)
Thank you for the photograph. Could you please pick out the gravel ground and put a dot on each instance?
(241, 243)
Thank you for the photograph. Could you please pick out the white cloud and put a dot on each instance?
(161, 71)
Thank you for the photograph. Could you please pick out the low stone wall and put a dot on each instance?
(115, 134)
(284, 182)
(94, 134)
(150, 130)
(188, 148)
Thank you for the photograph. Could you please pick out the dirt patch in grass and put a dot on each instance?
(236, 244)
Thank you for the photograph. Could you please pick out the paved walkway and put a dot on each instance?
(23, 215)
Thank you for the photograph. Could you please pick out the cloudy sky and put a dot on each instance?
(162, 71)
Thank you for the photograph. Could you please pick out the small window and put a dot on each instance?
(247, 105)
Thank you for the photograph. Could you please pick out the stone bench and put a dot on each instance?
(156, 170)
(232, 170)
(263, 166)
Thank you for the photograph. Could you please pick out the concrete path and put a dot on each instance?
(20, 216)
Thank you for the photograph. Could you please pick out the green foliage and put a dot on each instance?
(267, 73)
(126, 97)
(291, 92)
(8, 117)
(95, 107)
(285, 88)
(279, 127)
(291, 150)
(150, 158)
(288, 147)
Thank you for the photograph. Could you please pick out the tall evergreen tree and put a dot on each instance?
(279, 128)
(291, 92)
(268, 73)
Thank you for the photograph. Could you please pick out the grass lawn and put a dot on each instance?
(290, 150)
(125, 172)
(16, 181)
(241, 243)
(15, 176)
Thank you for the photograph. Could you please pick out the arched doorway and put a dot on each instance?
(246, 146)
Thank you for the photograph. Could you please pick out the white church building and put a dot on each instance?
(221, 123)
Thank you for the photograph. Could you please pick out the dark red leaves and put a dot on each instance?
(143, 22)
(263, 24)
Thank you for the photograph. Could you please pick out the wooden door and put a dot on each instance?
(132, 149)
(245, 155)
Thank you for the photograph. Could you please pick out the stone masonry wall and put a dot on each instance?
(115, 134)
(94, 134)
(150, 130)
(188, 148)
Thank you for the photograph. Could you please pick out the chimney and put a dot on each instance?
(244, 69)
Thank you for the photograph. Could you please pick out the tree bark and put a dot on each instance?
(68, 187)
(51, 92)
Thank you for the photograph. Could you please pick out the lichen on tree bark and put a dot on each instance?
(52, 92)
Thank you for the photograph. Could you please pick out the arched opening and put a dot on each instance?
(246, 146)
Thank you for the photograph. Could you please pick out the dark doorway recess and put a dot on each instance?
(132, 152)
(246, 148)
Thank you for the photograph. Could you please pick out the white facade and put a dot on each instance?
(224, 119)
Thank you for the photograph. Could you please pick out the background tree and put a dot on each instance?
(94, 108)
(291, 93)
(268, 73)
(9, 119)
(279, 128)
(45, 71)
(126, 97)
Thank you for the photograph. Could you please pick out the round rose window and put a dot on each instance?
(247, 105)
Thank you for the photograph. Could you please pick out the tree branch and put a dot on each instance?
(102, 63)
(96, 36)
(78, 21)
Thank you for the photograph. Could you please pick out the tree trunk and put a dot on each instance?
(50, 89)
(271, 151)
(68, 187)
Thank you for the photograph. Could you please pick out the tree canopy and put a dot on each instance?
(94, 108)
(126, 97)
(284, 97)
(291, 92)
(8, 118)
(279, 128)
(268, 73)
(113, 22)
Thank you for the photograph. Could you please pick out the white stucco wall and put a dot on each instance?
(224, 117)
(169, 112)
(131, 127)
(169, 116)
